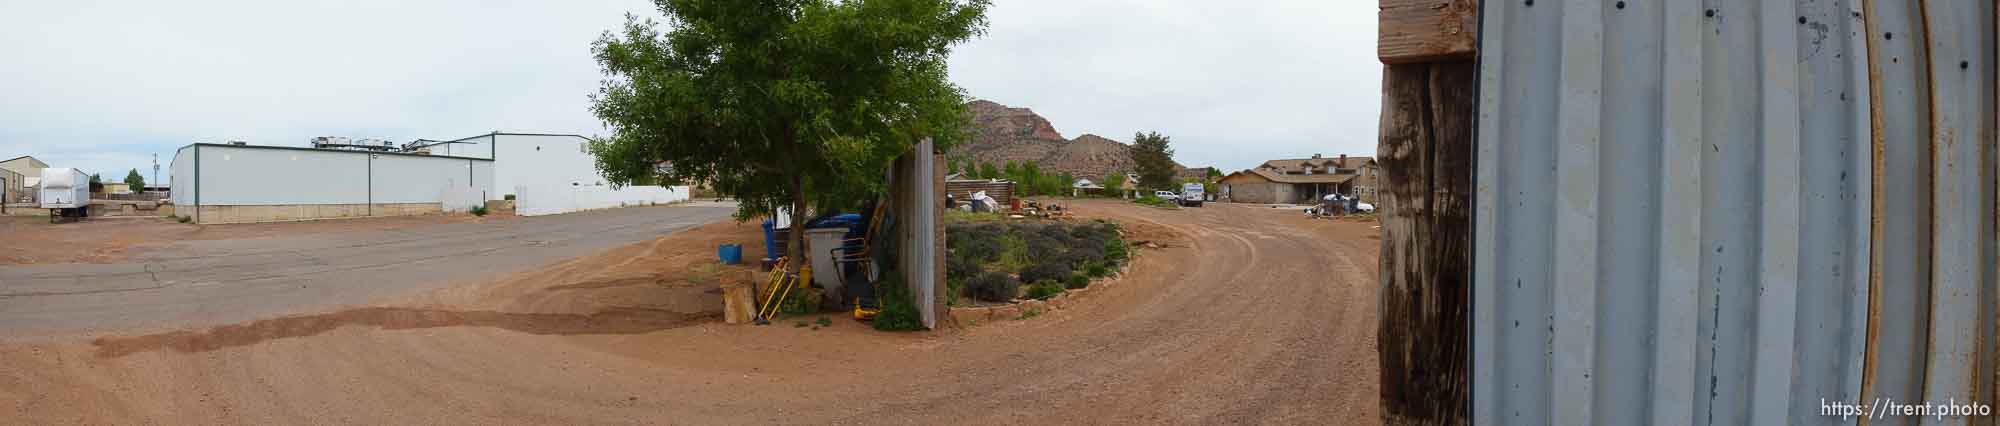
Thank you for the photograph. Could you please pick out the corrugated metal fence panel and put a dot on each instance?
(1679, 218)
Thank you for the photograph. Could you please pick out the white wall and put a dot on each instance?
(248, 176)
(180, 176)
(543, 160)
(540, 200)
(411, 179)
(251, 176)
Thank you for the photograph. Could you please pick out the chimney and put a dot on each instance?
(1315, 156)
(1343, 161)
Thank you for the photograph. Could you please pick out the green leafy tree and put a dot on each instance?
(987, 171)
(134, 181)
(1011, 171)
(1154, 160)
(1031, 175)
(1066, 181)
(792, 104)
(96, 185)
(1114, 184)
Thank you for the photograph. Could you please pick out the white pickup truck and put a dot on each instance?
(1191, 195)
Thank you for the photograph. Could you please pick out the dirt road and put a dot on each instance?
(1247, 315)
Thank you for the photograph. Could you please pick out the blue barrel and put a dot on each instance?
(731, 254)
(772, 250)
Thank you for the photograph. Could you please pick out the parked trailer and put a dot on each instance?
(66, 193)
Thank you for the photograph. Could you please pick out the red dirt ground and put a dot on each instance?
(1246, 315)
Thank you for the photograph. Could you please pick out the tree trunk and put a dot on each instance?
(795, 244)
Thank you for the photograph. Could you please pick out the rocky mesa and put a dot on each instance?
(1002, 133)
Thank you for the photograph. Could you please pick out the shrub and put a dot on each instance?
(898, 314)
(1058, 233)
(978, 251)
(1079, 258)
(986, 231)
(1013, 252)
(510, 197)
(1044, 289)
(1053, 270)
(1087, 232)
(993, 287)
(1043, 246)
(1114, 251)
(1077, 281)
(952, 288)
(1097, 270)
(961, 267)
(185, 219)
(478, 210)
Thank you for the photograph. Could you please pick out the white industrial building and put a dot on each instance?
(545, 173)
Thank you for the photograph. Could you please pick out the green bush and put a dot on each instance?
(1053, 270)
(978, 251)
(993, 287)
(1044, 289)
(1097, 270)
(961, 267)
(1013, 252)
(478, 210)
(898, 314)
(1114, 251)
(798, 302)
(1077, 281)
(185, 219)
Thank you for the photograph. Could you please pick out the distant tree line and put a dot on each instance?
(1028, 177)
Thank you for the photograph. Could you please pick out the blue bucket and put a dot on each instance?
(731, 254)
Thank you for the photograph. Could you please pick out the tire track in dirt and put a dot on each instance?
(1247, 316)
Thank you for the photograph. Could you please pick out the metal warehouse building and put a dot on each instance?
(526, 159)
(251, 183)
(546, 173)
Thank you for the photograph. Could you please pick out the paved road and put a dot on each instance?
(218, 282)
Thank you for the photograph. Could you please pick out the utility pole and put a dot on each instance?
(156, 172)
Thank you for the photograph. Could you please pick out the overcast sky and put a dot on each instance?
(103, 86)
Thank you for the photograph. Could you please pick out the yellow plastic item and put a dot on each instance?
(776, 298)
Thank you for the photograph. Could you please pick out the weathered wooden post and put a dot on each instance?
(1429, 102)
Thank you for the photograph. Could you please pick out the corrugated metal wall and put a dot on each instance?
(1723, 212)
(253, 175)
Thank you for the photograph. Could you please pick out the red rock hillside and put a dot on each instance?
(1002, 134)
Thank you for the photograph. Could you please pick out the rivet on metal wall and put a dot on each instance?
(1710, 13)
(1802, 20)
(1621, 5)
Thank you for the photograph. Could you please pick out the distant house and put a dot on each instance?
(117, 188)
(1084, 186)
(1302, 181)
